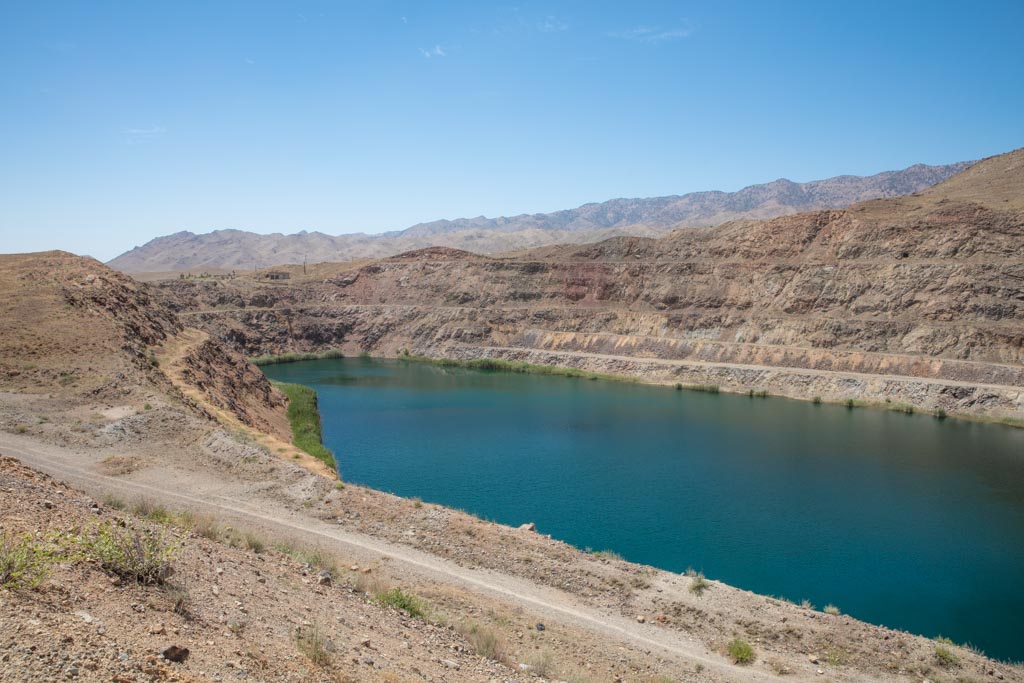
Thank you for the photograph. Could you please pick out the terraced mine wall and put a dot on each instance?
(917, 300)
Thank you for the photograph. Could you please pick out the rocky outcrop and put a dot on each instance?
(74, 326)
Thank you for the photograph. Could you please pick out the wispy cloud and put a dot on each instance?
(139, 135)
(552, 24)
(436, 51)
(405, 20)
(656, 34)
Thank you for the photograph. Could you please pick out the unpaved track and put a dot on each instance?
(64, 464)
(814, 372)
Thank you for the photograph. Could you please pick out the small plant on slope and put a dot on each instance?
(740, 651)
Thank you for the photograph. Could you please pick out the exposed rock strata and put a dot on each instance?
(916, 300)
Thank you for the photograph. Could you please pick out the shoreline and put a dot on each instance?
(491, 364)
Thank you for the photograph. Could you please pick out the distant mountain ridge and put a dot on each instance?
(651, 217)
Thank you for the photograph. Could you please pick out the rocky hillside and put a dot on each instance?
(236, 249)
(77, 330)
(917, 300)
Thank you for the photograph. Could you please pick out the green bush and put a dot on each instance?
(401, 600)
(501, 365)
(945, 656)
(304, 417)
(741, 651)
(24, 561)
(294, 357)
(141, 556)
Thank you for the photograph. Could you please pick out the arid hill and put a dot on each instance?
(84, 346)
(241, 250)
(916, 301)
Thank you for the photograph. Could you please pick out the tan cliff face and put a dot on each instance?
(884, 295)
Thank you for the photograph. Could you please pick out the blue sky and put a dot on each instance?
(122, 121)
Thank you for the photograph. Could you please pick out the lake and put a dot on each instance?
(901, 520)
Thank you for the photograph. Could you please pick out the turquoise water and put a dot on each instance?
(898, 520)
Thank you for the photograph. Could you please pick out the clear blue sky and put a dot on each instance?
(121, 121)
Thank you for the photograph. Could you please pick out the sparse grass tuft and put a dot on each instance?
(313, 644)
(254, 543)
(806, 604)
(698, 584)
(835, 658)
(206, 526)
(180, 599)
(314, 557)
(401, 600)
(144, 507)
(740, 651)
(485, 641)
(113, 502)
(832, 609)
(945, 656)
(542, 663)
(608, 555)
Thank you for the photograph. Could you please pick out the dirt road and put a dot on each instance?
(216, 498)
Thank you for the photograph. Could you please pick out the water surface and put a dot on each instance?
(899, 520)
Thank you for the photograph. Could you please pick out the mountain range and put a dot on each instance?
(651, 217)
